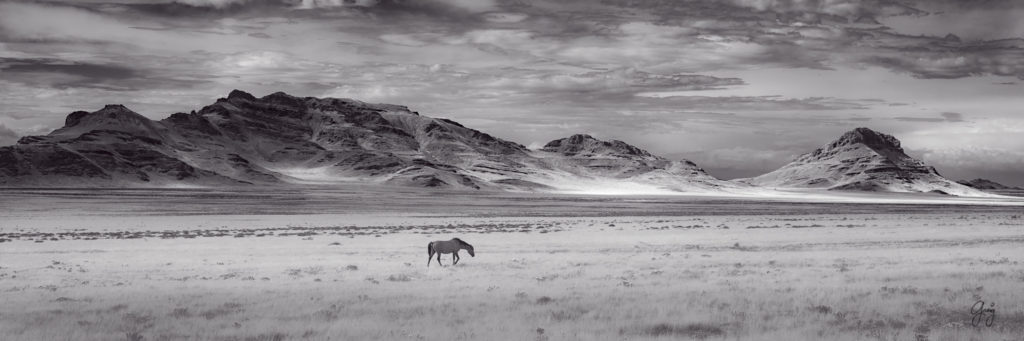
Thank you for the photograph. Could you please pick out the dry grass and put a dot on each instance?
(689, 331)
(893, 278)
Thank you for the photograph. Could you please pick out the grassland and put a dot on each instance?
(732, 274)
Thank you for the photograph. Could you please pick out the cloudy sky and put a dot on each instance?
(738, 86)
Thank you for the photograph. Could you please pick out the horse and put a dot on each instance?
(448, 246)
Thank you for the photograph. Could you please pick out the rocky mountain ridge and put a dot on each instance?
(281, 139)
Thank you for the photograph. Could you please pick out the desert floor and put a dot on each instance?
(325, 265)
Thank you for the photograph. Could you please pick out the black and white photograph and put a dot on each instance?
(540, 170)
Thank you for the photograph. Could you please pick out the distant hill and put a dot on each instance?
(861, 160)
(985, 184)
(993, 187)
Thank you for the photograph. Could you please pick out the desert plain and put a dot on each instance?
(351, 264)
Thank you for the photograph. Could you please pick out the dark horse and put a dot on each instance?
(448, 246)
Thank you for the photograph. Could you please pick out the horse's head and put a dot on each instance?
(466, 246)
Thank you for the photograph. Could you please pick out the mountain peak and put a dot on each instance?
(115, 107)
(278, 94)
(586, 144)
(110, 112)
(282, 98)
(580, 138)
(861, 159)
(241, 95)
(573, 140)
(74, 118)
(869, 138)
(116, 112)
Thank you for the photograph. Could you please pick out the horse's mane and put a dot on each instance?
(462, 242)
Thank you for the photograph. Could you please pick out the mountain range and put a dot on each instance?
(279, 139)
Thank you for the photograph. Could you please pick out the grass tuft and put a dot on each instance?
(691, 330)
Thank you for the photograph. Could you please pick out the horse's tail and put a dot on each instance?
(430, 252)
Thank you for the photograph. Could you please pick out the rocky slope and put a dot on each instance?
(588, 158)
(112, 145)
(282, 139)
(862, 160)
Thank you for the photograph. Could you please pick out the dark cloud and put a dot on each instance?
(203, 9)
(944, 117)
(953, 116)
(808, 11)
(625, 82)
(953, 63)
(918, 119)
(760, 103)
(450, 10)
(434, 8)
(63, 74)
(968, 4)
(85, 70)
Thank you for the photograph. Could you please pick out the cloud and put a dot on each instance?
(415, 40)
(84, 70)
(254, 60)
(918, 119)
(758, 103)
(7, 136)
(196, 9)
(955, 62)
(505, 17)
(63, 74)
(669, 47)
(837, 7)
(953, 116)
(1001, 165)
(620, 81)
(975, 157)
(372, 93)
(1001, 18)
(459, 10)
(34, 22)
(943, 117)
(211, 3)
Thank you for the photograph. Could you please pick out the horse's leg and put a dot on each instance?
(439, 259)
(455, 258)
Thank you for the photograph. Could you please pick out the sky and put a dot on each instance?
(740, 87)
